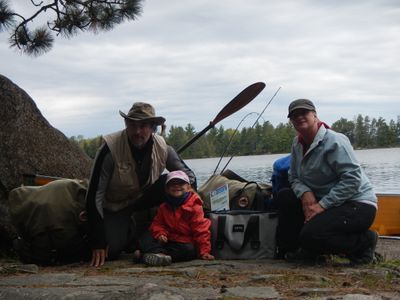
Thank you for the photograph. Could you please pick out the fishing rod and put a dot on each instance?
(231, 138)
(256, 121)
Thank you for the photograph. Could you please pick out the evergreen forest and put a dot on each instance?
(363, 132)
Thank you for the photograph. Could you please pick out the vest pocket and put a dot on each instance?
(125, 171)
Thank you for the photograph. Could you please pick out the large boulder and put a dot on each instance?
(30, 145)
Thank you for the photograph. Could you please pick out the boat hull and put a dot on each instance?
(387, 220)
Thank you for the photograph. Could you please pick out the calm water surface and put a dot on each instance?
(381, 165)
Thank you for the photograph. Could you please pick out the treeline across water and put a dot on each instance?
(264, 138)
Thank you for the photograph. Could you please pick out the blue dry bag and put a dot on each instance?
(279, 177)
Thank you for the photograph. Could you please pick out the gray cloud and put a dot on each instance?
(189, 58)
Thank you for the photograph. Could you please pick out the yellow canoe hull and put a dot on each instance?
(387, 220)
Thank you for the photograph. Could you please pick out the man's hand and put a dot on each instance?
(162, 239)
(99, 257)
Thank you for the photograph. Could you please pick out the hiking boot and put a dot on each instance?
(366, 255)
(157, 259)
(303, 256)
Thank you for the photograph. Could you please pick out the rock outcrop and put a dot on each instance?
(30, 145)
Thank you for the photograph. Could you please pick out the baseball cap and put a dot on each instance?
(177, 175)
(300, 103)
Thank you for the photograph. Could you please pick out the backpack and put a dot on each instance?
(47, 219)
(280, 176)
(243, 194)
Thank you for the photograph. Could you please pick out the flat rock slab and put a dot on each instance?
(266, 279)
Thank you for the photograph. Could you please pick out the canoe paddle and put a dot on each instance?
(241, 100)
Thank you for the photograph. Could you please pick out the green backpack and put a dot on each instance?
(47, 219)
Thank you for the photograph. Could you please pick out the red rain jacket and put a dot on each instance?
(184, 224)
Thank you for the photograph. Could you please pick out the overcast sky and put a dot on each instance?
(190, 58)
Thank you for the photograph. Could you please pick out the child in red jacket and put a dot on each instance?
(179, 231)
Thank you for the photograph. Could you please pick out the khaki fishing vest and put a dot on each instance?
(124, 189)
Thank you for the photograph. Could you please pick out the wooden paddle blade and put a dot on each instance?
(241, 100)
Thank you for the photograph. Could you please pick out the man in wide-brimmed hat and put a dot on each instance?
(126, 178)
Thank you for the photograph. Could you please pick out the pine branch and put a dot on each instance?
(69, 17)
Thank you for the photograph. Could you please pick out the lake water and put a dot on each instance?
(381, 165)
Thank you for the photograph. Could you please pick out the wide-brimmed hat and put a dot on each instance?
(300, 103)
(141, 111)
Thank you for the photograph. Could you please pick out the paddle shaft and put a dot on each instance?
(196, 137)
(242, 99)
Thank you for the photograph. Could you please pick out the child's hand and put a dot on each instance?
(162, 239)
(207, 256)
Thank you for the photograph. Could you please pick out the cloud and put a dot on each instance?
(191, 58)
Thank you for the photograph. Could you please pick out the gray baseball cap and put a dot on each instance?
(300, 103)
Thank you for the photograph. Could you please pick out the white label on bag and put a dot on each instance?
(219, 198)
(238, 228)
